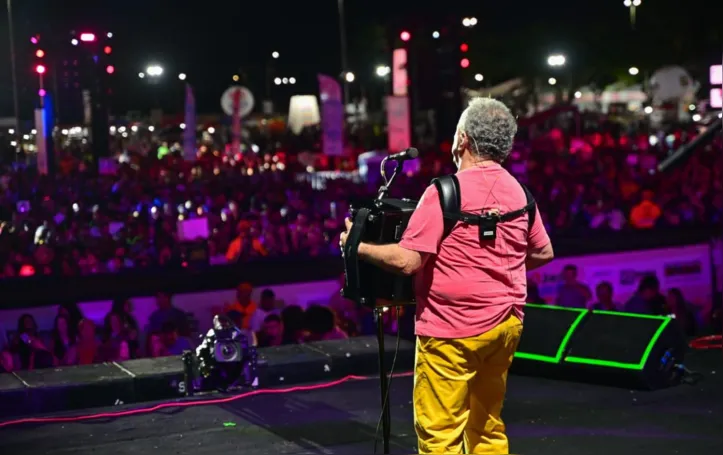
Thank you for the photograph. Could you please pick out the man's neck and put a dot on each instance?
(469, 161)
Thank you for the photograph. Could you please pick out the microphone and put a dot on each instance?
(408, 154)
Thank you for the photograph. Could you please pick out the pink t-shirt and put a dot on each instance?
(465, 287)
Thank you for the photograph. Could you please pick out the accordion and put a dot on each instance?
(380, 221)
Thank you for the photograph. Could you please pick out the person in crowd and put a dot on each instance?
(267, 306)
(533, 293)
(272, 332)
(243, 304)
(321, 324)
(115, 346)
(167, 313)
(346, 311)
(646, 213)
(155, 347)
(72, 312)
(173, 341)
(292, 318)
(32, 352)
(571, 292)
(64, 341)
(124, 308)
(676, 305)
(87, 347)
(647, 299)
(3, 338)
(604, 295)
(7, 365)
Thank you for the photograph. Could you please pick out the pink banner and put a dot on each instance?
(189, 134)
(398, 123)
(332, 116)
(400, 79)
(236, 123)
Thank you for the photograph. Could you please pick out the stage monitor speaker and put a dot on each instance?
(624, 349)
(545, 337)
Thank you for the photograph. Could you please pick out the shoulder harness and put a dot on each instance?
(450, 198)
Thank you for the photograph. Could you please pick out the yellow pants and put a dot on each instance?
(459, 388)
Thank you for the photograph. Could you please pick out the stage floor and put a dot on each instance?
(543, 417)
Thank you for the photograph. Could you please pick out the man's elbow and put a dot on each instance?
(547, 254)
(411, 264)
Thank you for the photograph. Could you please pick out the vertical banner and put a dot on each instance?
(189, 134)
(400, 79)
(236, 122)
(332, 116)
(398, 123)
(41, 145)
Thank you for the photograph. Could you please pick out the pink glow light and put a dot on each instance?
(87, 37)
(41, 92)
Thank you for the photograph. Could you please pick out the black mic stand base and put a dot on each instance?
(383, 381)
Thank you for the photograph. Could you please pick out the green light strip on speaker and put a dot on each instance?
(565, 340)
(664, 321)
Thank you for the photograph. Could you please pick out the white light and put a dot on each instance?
(11, 131)
(720, 115)
(13, 143)
(383, 71)
(275, 54)
(578, 95)
(151, 128)
(633, 71)
(472, 21)
(134, 128)
(478, 77)
(648, 109)
(211, 130)
(254, 148)
(122, 129)
(435, 34)
(466, 22)
(64, 132)
(691, 107)
(636, 2)
(182, 76)
(154, 70)
(33, 131)
(653, 140)
(277, 81)
(292, 80)
(552, 81)
(696, 117)
(141, 75)
(74, 42)
(26, 137)
(285, 80)
(183, 126)
(109, 35)
(628, 3)
(112, 130)
(349, 77)
(125, 134)
(556, 60)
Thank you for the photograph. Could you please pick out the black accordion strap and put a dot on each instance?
(351, 253)
(450, 198)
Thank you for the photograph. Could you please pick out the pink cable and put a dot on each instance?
(158, 407)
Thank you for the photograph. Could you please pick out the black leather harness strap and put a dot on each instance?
(450, 198)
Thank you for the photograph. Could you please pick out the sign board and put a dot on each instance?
(399, 72)
(41, 144)
(716, 98)
(716, 75)
(247, 101)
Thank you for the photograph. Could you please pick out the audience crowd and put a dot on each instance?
(80, 222)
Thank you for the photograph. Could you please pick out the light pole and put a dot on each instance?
(16, 104)
(632, 5)
(342, 37)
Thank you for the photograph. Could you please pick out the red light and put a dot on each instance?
(40, 69)
(87, 37)
(109, 69)
(107, 50)
(464, 63)
(464, 47)
(40, 53)
(405, 36)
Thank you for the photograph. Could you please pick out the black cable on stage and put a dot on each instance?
(389, 385)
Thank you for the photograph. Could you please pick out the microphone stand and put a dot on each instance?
(384, 189)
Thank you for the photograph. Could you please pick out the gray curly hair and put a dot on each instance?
(491, 128)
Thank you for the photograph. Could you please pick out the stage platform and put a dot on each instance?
(543, 416)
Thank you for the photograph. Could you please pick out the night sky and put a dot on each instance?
(212, 40)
